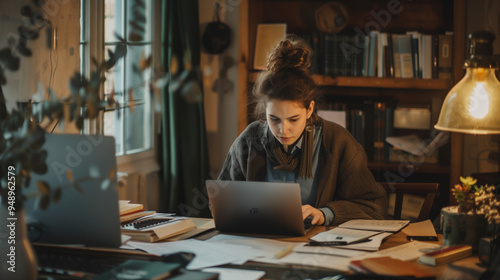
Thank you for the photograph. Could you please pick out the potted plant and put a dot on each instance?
(467, 222)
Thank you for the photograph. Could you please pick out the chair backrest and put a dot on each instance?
(428, 190)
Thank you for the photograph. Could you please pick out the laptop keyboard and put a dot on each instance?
(81, 262)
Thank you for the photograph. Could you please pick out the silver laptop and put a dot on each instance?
(256, 207)
(87, 212)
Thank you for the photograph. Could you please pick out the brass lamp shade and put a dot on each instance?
(473, 105)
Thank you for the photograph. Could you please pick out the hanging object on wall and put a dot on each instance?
(217, 35)
(223, 84)
(331, 17)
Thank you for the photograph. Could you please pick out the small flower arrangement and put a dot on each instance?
(465, 194)
(480, 200)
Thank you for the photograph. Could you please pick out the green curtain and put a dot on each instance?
(184, 146)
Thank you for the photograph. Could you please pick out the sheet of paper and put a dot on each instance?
(342, 235)
(313, 260)
(266, 247)
(335, 251)
(380, 225)
(372, 245)
(207, 254)
(232, 273)
(423, 228)
(406, 252)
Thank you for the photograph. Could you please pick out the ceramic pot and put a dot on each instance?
(462, 228)
(17, 257)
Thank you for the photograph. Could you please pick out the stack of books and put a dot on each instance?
(131, 211)
(149, 226)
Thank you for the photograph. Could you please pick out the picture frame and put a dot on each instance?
(268, 35)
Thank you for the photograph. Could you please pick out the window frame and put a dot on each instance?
(146, 161)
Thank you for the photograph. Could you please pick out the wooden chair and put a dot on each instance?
(428, 190)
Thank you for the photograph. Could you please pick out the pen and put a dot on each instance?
(287, 250)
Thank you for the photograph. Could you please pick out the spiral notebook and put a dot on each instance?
(152, 229)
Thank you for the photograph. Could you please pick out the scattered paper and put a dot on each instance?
(424, 228)
(416, 146)
(346, 235)
(372, 245)
(406, 252)
(207, 254)
(335, 251)
(312, 260)
(378, 225)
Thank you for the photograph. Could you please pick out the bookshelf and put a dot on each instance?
(424, 16)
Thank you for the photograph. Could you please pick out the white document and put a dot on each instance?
(342, 235)
(265, 247)
(232, 273)
(416, 146)
(372, 245)
(378, 225)
(328, 250)
(406, 252)
(207, 254)
(312, 260)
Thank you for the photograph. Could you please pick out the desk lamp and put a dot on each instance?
(473, 105)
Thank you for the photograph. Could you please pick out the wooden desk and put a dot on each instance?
(467, 268)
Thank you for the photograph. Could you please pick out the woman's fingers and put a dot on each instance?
(308, 210)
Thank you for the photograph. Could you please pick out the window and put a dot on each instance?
(132, 122)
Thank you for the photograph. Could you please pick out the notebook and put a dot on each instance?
(256, 207)
(87, 211)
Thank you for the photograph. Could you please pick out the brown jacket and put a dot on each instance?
(346, 185)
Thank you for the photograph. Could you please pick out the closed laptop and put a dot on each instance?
(256, 207)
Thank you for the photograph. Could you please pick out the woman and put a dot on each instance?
(293, 144)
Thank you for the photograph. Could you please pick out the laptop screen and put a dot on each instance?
(87, 211)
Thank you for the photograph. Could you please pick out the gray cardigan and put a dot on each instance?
(346, 185)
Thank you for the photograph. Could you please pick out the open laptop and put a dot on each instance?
(87, 212)
(256, 207)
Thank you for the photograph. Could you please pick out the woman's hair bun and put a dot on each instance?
(292, 52)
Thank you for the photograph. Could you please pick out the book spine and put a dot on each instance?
(445, 56)
(405, 56)
(372, 61)
(396, 57)
(328, 40)
(426, 56)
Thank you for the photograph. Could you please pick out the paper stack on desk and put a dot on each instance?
(131, 211)
(152, 229)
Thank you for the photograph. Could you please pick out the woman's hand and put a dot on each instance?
(318, 217)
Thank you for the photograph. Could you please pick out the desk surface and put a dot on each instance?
(467, 268)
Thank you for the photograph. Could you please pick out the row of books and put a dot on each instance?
(372, 123)
(381, 54)
(149, 226)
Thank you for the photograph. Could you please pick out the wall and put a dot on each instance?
(47, 66)
(482, 15)
(221, 108)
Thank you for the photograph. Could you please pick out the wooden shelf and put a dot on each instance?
(422, 168)
(374, 82)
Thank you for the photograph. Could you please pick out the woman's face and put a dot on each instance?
(287, 119)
